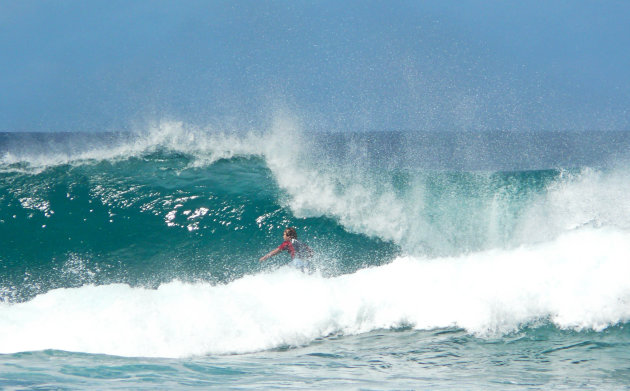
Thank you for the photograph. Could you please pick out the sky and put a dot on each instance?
(70, 65)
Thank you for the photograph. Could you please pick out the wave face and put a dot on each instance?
(150, 240)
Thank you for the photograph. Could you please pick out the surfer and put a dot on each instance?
(299, 251)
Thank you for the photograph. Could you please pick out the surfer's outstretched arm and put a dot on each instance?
(271, 254)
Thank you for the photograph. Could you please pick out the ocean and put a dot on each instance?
(443, 260)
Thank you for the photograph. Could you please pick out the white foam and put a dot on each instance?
(578, 281)
(364, 203)
(206, 144)
(590, 198)
(361, 203)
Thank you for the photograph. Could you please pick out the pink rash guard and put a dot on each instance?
(296, 248)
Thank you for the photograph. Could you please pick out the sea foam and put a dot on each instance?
(578, 281)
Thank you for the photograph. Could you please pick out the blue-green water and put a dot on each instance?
(443, 261)
(405, 359)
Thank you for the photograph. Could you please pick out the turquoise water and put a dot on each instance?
(545, 358)
(445, 359)
(131, 260)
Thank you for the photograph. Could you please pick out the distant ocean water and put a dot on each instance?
(443, 260)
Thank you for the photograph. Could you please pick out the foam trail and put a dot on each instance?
(579, 281)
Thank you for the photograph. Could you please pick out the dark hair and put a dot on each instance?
(291, 233)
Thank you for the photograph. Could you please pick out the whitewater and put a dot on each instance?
(130, 260)
(579, 282)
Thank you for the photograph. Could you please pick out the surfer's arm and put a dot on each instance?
(271, 254)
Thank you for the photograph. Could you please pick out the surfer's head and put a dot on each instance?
(290, 233)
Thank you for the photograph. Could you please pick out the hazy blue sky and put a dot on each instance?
(338, 65)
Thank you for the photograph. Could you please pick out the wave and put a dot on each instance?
(177, 202)
(576, 282)
(147, 244)
(162, 211)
